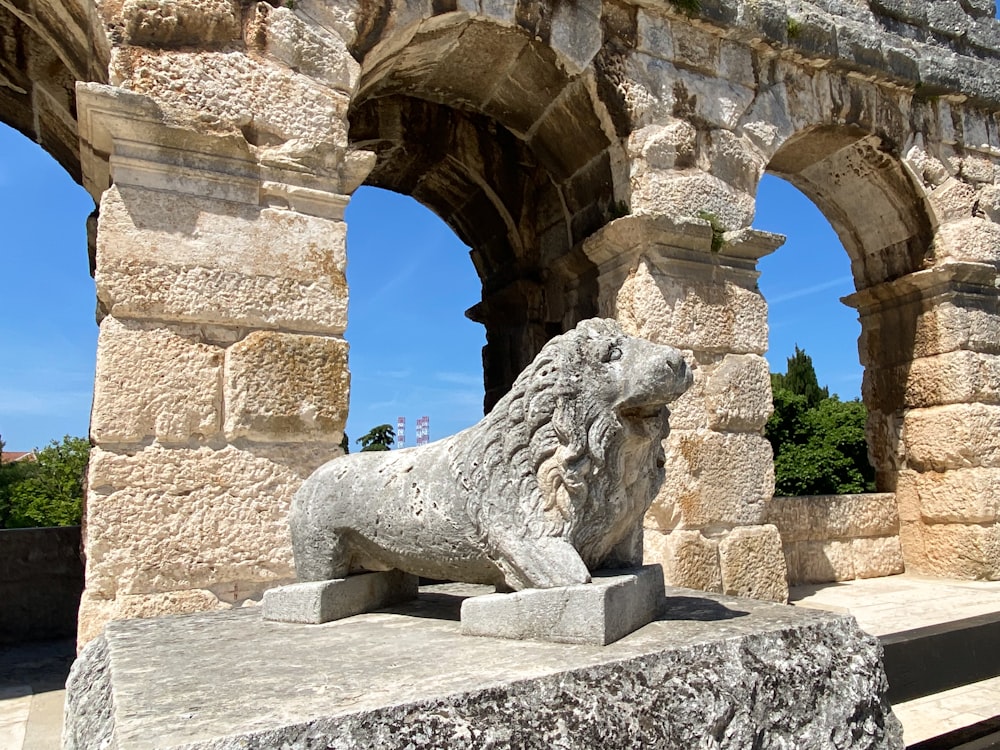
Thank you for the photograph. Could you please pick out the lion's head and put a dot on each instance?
(576, 443)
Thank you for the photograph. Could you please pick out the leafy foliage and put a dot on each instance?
(48, 491)
(378, 438)
(818, 440)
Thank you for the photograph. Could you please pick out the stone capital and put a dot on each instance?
(126, 139)
(956, 279)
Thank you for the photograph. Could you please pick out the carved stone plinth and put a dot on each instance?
(316, 602)
(613, 605)
(711, 671)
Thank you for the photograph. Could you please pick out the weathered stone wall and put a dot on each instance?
(598, 157)
(41, 579)
(838, 537)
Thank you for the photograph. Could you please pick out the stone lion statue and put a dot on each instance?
(550, 485)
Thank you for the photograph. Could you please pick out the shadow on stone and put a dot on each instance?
(697, 609)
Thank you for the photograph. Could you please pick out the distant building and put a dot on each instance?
(10, 457)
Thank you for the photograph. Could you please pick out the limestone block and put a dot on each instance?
(654, 34)
(576, 33)
(752, 564)
(875, 557)
(233, 92)
(689, 559)
(316, 602)
(614, 604)
(313, 51)
(665, 146)
(713, 672)
(209, 261)
(952, 437)
(951, 378)
(738, 394)
(181, 23)
(989, 202)
(962, 550)
(155, 382)
(825, 517)
(286, 387)
(911, 539)
(972, 239)
(909, 332)
(163, 519)
(977, 168)
(713, 478)
(734, 160)
(692, 314)
(792, 518)
(953, 200)
(696, 48)
(960, 496)
(687, 194)
(824, 561)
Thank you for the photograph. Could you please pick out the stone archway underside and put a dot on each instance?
(597, 157)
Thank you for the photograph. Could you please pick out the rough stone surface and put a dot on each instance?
(689, 559)
(721, 668)
(176, 395)
(317, 602)
(283, 387)
(514, 499)
(612, 605)
(751, 563)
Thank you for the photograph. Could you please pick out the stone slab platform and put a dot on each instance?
(711, 671)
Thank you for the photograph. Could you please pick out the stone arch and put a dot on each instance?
(45, 48)
(514, 150)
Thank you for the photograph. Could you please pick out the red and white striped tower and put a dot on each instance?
(423, 430)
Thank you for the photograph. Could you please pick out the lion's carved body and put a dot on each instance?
(548, 486)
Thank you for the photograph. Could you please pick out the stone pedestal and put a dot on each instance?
(711, 671)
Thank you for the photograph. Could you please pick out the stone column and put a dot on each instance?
(222, 376)
(695, 288)
(930, 345)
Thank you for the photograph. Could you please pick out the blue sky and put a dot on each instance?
(413, 352)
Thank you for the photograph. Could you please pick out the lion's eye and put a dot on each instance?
(613, 355)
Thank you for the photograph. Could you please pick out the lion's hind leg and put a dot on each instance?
(320, 554)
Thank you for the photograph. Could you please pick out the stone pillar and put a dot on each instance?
(222, 376)
(695, 288)
(930, 345)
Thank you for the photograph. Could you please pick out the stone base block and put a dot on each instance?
(613, 605)
(712, 671)
(316, 602)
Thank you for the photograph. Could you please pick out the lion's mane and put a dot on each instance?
(558, 447)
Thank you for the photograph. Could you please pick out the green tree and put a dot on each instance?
(818, 440)
(800, 377)
(52, 493)
(378, 438)
(11, 474)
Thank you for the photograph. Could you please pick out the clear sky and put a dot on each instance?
(413, 352)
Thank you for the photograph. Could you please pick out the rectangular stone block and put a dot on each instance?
(712, 667)
(875, 557)
(713, 478)
(165, 519)
(959, 496)
(285, 388)
(752, 564)
(200, 260)
(155, 382)
(689, 559)
(613, 605)
(317, 602)
(825, 561)
(955, 550)
(710, 315)
(952, 437)
(951, 378)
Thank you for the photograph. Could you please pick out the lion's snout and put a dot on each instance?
(655, 375)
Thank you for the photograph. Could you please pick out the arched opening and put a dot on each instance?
(522, 173)
(803, 283)
(49, 343)
(413, 352)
